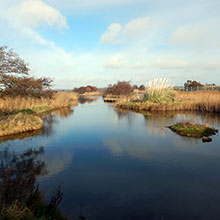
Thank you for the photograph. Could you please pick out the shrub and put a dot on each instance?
(159, 90)
(84, 89)
(121, 88)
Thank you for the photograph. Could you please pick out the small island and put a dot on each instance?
(188, 129)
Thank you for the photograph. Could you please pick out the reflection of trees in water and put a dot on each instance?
(20, 197)
(53, 118)
(210, 118)
(84, 99)
(18, 173)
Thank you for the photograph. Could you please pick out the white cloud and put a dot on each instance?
(186, 34)
(169, 63)
(138, 64)
(203, 35)
(81, 4)
(34, 14)
(116, 62)
(112, 33)
(25, 16)
(116, 33)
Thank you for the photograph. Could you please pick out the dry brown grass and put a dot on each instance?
(206, 101)
(18, 123)
(203, 101)
(60, 99)
(28, 120)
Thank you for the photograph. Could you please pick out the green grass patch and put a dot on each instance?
(193, 130)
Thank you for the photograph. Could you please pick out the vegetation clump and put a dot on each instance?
(159, 91)
(193, 130)
(121, 88)
(85, 89)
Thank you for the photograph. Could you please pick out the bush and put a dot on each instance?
(159, 90)
(121, 88)
(84, 89)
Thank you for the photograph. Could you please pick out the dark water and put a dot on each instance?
(120, 165)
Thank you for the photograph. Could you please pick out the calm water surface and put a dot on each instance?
(121, 165)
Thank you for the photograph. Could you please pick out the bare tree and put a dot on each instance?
(15, 79)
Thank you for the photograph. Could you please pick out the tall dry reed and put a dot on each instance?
(206, 101)
(60, 99)
(159, 90)
(202, 101)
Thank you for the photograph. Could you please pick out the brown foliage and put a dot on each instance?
(121, 88)
(191, 83)
(84, 89)
(15, 79)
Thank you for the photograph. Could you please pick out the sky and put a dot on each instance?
(98, 42)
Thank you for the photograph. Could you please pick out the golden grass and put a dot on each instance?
(203, 101)
(28, 120)
(18, 123)
(59, 100)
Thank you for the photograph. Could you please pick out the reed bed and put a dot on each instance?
(203, 101)
(59, 100)
(20, 114)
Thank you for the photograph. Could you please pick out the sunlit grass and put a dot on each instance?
(159, 90)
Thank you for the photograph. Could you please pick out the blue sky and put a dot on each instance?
(80, 42)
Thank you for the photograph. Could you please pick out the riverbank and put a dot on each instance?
(18, 115)
(203, 101)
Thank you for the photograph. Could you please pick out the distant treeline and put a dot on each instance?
(84, 89)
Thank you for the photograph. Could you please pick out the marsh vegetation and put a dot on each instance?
(195, 130)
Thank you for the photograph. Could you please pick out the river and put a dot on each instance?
(121, 165)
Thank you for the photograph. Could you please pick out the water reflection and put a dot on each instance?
(21, 136)
(124, 165)
(62, 112)
(57, 161)
(156, 123)
(18, 174)
(122, 113)
(20, 196)
(86, 99)
(119, 148)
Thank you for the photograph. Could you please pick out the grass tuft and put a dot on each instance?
(159, 91)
